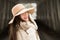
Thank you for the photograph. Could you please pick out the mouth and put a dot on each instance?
(25, 18)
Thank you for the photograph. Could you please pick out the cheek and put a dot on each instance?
(22, 17)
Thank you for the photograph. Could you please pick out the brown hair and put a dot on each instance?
(13, 29)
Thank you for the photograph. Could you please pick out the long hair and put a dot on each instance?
(14, 28)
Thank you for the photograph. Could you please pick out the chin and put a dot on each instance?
(25, 19)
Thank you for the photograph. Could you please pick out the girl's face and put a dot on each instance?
(24, 16)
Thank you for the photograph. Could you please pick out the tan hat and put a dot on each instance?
(19, 9)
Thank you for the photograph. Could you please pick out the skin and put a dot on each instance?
(24, 16)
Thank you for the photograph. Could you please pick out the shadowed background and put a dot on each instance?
(48, 19)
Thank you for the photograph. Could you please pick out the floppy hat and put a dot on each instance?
(20, 9)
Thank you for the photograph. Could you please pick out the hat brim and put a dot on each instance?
(30, 10)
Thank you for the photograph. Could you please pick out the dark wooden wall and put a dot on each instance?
(49, 13)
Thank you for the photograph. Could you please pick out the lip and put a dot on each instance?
(25, 18)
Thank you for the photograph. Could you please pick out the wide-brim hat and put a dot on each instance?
(20, 9)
